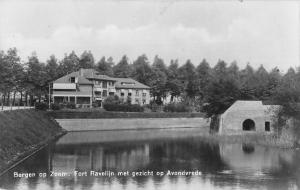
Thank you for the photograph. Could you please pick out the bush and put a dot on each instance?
(176, 107)
(41, 106)
(112, 100)
(55, 106)
(123, 107)
(71, 105)
(96, 104)
(113, 103)
(154, 107)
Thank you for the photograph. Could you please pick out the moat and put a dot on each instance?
(155, 159)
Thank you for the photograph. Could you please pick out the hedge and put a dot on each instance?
(123, 107)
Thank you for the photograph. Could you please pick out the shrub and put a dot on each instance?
(71, 105)
(113, 103)
(55, 106)
(96, 104)
(154, 107)
(176, 107)
(112, 100)
(41, 106)
(123, 107)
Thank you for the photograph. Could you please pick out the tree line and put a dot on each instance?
(206, 88)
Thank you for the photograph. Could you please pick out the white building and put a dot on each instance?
(245, 116)
(86, 86)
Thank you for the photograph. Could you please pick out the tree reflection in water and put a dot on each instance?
(222, 165)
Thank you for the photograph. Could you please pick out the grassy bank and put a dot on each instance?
(62, 114)
(23, 132)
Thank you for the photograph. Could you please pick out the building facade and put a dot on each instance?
(87, 86)
(248, 116)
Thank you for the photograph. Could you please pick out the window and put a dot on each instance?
(98, 93)
(144, 94)
(104, 93)
(137, 101)
(122, 93)
(104, 85)
(137, 92)
(83, 100)
(111, 93)
(72, 79)
(267, 126)
(129, 93)
(144, 101)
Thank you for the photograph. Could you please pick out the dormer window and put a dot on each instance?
(72, 79)
(128, 83)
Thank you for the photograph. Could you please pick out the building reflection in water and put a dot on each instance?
(100, 158)
(247, 157)
(222, 165)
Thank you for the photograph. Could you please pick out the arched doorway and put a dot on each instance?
(248, 125)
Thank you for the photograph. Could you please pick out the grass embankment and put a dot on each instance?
(64, 114)
(23, 132)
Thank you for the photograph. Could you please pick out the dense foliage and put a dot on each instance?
(206, 88)
(176, 107)
(113, 103)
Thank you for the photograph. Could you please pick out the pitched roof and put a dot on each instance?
(129, 83)
(93, 74)
(66, 79)
(247, 105)
(85, 74)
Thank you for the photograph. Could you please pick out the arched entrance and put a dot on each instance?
(248, 125)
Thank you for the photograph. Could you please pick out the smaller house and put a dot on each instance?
(247, 116)
(137, 92)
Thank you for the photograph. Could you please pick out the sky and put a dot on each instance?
(258, 32)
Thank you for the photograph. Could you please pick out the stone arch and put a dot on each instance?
(248, 125)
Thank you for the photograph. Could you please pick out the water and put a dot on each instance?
(219, 166)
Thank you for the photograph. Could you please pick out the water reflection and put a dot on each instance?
(242, 166)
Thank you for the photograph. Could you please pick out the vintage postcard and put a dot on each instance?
(155, 95)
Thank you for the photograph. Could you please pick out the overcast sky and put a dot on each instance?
(259, 32)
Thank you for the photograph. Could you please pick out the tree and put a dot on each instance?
(36, 79)
(274, 80)
(158, 80)
(142, 70)
(51, 68)
(261, 87)
(122, 69)
(68, 64)
(173, 85)
(159, 64)
(220, 70)
(221, 94)
(203, 72)
(233, 71)
(105, 67)
(248, 83)
(222, 91)
(11, 73)
(86, 60)
(187, 74)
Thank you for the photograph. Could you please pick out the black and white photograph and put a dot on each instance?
(149, 95)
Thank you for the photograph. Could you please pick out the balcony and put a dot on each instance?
(98, 89)
(64, 86)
